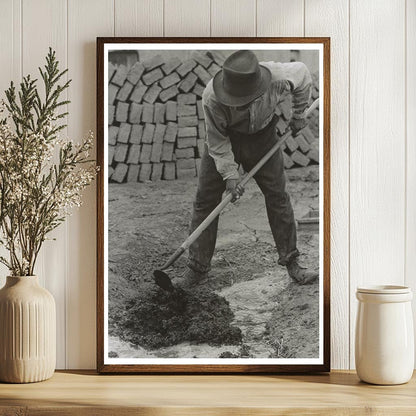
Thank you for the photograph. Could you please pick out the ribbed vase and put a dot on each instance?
(27, 331)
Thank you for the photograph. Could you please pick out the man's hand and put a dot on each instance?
(297, 124)
(231, 186)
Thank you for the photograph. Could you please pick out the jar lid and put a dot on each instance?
(384, 289)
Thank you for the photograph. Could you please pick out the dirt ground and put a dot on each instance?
(248, 307)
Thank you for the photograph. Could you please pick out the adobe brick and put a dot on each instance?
(188, 82)
(185, 99)
(148, 132)
(119, 173)
(213, 69)
(138, 93)
(135, 113)
(136, 134)
(123, 133)
(145, 153)
(186, 173)
(135, 73)
(120, 76)
(303, 144)
(159, 113)
(167, 152)
(182, 164)
(112, 93)
(111, 111)
(184, 142)
(153, 62)
(186, 110)
(188, 121)
(133, 173)
(145, 172)
(147, 113)
(120, 152)
(171, 111)
(313, 154)
(198, 90)
(186, 153)
(186, 67)
(169, 171)
(202, 58)
(202, 74)
(151, 77)
(156, 152)
(112, 134)
(218, 56)
(169, 80)
(122, 111)
(171, 132)
(171, 65)
(159, 133)
(157, 169)
(124, 91)
(287, 161)
(169, 93)
(307, 134)
(299, 158)
(187, 132)
(134, 154)
(291, 144)
(152, 93)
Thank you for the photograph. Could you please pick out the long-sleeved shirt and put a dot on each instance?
(293, 77)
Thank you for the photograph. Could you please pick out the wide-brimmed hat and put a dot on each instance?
(241, 80)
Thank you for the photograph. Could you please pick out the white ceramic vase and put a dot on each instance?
(384, 338)
(27, 331)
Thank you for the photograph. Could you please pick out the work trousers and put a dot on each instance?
(248, 149)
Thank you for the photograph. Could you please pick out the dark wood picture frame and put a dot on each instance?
(102, 367)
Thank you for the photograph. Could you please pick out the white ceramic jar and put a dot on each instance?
(27, 331)
(384, 337)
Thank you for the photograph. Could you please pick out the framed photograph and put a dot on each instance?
(213, 205)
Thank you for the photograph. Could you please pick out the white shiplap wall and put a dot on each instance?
(373, 131)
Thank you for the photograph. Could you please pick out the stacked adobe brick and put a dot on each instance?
(156, 127)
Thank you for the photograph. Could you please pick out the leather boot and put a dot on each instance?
(300, 274)
(190, 278)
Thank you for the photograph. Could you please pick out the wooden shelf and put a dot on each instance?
(86, 393)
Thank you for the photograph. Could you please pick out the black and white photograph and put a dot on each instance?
(213, 204)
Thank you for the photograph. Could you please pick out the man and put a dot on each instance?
(239, 105)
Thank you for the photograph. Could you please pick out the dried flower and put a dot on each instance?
(42, 176)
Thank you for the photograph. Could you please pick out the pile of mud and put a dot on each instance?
(156, 319)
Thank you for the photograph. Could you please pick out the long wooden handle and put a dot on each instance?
(227, 199)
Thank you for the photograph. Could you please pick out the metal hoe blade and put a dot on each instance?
(163, 281)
